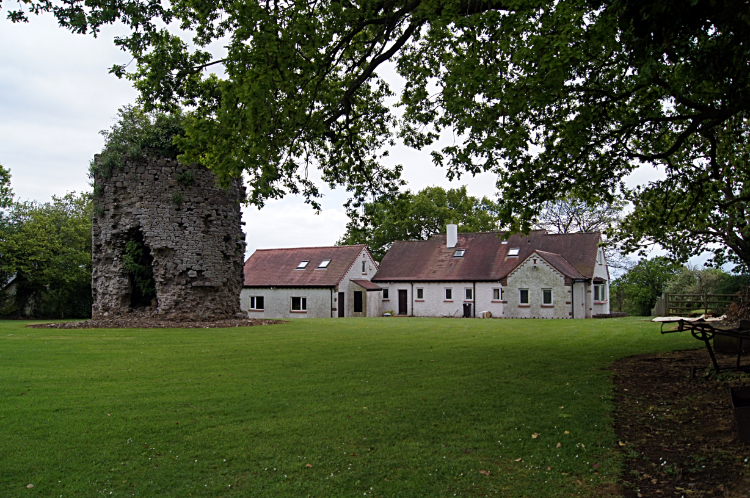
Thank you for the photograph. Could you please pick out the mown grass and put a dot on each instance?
(378, 407)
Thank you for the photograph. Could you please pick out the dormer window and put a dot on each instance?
(514, 251)
(302, 265)
(324, 264)
(459, 253)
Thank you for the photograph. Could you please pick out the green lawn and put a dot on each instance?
(378, 406)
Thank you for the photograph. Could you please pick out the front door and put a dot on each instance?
(402, 302)
(340, 305)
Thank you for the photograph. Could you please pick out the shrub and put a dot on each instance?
(138, 134)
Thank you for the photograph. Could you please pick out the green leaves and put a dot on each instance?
(47, 248)
(417, 217)
(568, 97)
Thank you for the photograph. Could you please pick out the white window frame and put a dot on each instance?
(303, 304)
(499, 292)
(446, 291)
(420, 293)
(253, 301)
(551, 298)
(303, 264)
(514, 252)
(600, 293)
(520, 297)
(468, 294)
(459, 253)
(324, 264)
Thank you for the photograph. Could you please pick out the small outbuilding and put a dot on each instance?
(311, 282)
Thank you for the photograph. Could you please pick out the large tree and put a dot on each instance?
(417, 217)
(555, 97)
(46, 247)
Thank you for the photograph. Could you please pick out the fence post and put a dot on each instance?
(666, 304)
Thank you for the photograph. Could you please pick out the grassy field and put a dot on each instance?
(348, 407)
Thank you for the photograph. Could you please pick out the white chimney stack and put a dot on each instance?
(452, 233)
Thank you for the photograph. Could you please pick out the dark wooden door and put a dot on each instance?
(340, 305)
(402, 302)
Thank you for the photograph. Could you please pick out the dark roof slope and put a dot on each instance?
(561, 264)
(486, 257)
(277, 267)
(367, 285)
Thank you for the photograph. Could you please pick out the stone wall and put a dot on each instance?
(192, 229)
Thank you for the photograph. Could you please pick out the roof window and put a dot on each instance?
(514, 251)
(459, 253)
(302, 265)
(324, 264)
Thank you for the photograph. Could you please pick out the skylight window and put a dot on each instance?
(302, 265)
(514, 251)
(459, 253)
(324, 264)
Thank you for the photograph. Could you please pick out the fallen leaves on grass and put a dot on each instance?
(535, 435)
(484, 472)
(308, 465)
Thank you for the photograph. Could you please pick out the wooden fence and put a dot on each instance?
(687, 304)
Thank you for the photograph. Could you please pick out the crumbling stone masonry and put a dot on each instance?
(192, 229)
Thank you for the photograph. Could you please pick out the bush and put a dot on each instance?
(138, 134)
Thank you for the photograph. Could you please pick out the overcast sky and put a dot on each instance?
(56, 94)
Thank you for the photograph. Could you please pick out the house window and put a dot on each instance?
(324, 264)
(358, 301)
(420, 293)
(256, 303)
(299, 304)
(385, 293)
(547, 297)
(302, 265)
(449, 294)
(599, 292)
(364, 266)
(523, 296)
(459, 253)
(468, 294)
(514, 251)
(497, 294)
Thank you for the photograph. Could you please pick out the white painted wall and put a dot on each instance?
(600, 271)
(355, 273)
(433, 302)
(278, 302)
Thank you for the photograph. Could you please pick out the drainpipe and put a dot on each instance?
(412, 299)
(474, 295)
(573, 298)
(332, 303)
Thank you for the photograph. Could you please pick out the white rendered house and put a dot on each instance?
(311, 282)
(539, 275)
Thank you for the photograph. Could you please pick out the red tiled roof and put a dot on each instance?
(486, 257)
(367, 285)
(277, 267)
(560, 264)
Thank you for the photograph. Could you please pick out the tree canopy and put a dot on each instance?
(637, 290)
(417, 217)
(561, 97)
(46, 249)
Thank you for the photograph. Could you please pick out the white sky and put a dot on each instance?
(56, 94)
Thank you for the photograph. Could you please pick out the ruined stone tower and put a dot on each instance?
(186, 232)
